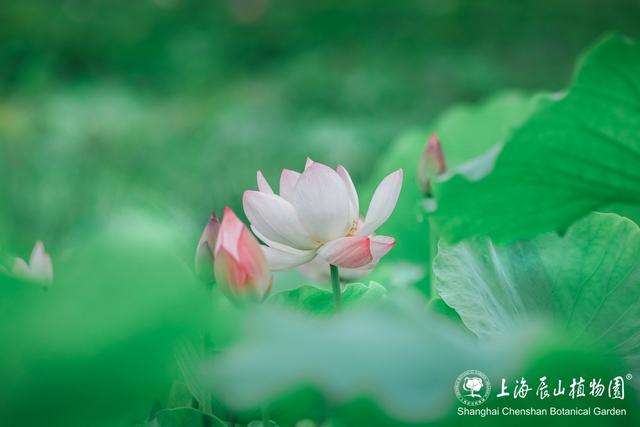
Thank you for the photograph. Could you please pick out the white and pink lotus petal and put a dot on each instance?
(288, 181)
(432, 163)
(276, 219)
(322, 203)
(347, 252)
(275, 245)
(229, 234)
(263, 184)
(39, 268)
(241, 269)
(40, 263)
(318, 271)
(351, 191)
(21, 268)
(383, 203)
(380, 246)
(204, 251)
(279, 259)
(308, 163)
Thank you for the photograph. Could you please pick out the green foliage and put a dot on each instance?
(119, 305)
(262, 424)
(466, 132)
(176, 103)
(171, 106)
(320, 301)
(583, 282)
(398, 356)
(587, 281)
(437, 305)
(184, 417)
(542, 307)
(578, 154)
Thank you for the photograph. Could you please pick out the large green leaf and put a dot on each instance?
(466, 131)
(587, 281)
(580, 153)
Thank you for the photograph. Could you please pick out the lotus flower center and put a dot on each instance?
(352, 229)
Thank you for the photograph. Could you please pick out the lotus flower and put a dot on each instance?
(240, 267)
(318, 271)
(39, 269)
(317, 214)
(431, 165)
(206, 246)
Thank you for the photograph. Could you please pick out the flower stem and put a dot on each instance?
(335, 284)
(433, 251)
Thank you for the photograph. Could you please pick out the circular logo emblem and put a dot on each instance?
(472, 387)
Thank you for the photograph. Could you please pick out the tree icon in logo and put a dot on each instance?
(472, 387)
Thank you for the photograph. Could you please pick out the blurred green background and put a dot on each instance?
(171, 106)
(174, 104)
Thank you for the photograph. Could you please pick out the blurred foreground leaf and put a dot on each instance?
(99, 345)
(262, 424)
(184, 417)
(395, 361)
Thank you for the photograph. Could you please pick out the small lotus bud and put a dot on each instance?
(240, 265)
(39, 269)
(432, 164)
(204, 252)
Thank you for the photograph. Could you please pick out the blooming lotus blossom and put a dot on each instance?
(317, 213)
(240, 267)
(206, 246)
(39, 269)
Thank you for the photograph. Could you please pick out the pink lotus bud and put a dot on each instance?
(432, 164)
(204, 251)
(240, 266)
(39, 269)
